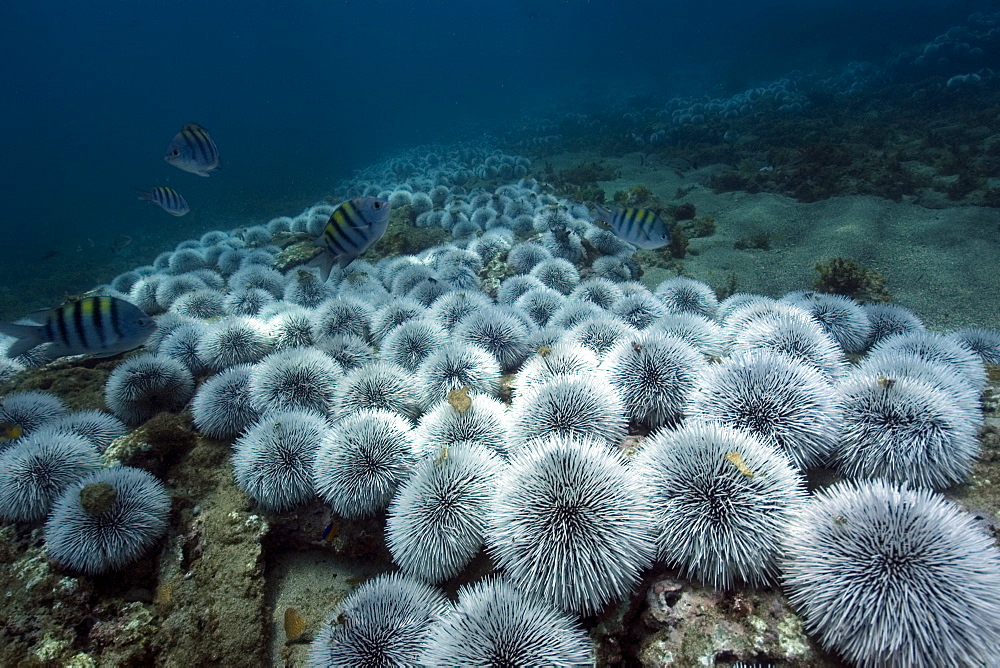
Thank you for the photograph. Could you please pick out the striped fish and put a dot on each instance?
(354, 226)
(167, 199)
(193, 151)
(99, 326)
(639, 227)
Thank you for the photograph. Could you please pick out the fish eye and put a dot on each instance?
(377, 205)
(175, 152)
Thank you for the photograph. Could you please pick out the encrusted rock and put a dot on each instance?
(294, 255)
(694, 626)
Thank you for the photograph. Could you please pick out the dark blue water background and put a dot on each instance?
(299, 94)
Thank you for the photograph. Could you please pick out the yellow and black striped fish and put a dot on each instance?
(639, 227)
(354, 226)
(167, 199)
(98, 326)
(193, 150)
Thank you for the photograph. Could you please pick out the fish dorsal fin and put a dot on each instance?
(39, 317)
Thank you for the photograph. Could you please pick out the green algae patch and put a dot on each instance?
(295, 254)
(637, 196)
(402, 237)
(580, 182)
(841, 276)
(493, 275)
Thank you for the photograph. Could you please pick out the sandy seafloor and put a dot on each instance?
(939, 262)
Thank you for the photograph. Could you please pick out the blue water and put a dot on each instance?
(299, 94)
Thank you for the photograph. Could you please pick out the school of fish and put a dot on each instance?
(104, 325)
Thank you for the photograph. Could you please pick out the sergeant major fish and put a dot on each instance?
(193, 150)
(98, 326)
(167, 199)
(354, 226)
(639, 227)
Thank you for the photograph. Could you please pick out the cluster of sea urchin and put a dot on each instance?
(383, 388)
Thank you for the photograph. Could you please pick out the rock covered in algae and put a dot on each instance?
(295, 255)
(492, 275)
(97, 498)
(154, 445)
(693, 626)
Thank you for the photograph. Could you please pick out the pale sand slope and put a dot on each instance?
(944, 264)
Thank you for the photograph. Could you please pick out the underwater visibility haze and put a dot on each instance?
(500, 333)
(302, 94)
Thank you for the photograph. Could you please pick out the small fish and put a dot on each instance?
(331, 531)
(48, 255)
(639, 227)
(354, 226)
(193, 150)
(10, 431)
(121, 242)
(167, 199)
(98, 326)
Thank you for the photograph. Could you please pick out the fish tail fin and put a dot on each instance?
(28, 336)
(324, 262)
(144, 195)
(602, 213)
